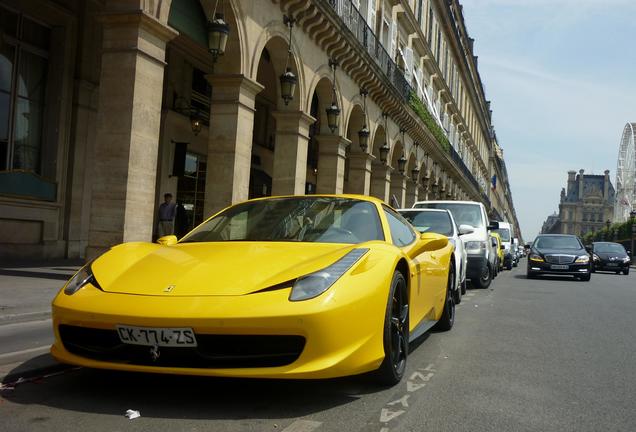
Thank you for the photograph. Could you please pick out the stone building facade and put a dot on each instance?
(99, 100)
(587, 203)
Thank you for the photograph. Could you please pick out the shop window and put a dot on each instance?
(23, 75)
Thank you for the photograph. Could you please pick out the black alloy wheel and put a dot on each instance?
(396, 333)
(447, 320)
(485, 279)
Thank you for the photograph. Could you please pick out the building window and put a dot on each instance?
(24, 50)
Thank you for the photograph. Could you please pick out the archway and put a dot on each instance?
(380, 171)
(398, 177)
(358, 163)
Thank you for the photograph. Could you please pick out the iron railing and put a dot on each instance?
(355, 23)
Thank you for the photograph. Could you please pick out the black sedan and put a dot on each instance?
(559, 254)
(610, 256)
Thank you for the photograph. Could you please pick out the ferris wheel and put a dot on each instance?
(626, 175)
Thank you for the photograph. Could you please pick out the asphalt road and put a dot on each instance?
(527, 355)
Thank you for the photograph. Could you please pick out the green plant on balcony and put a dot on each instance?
(422, 112)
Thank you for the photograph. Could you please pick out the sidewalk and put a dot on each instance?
(26, 292)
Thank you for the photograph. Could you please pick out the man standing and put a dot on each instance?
(167, 212)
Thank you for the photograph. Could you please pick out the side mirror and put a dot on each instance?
(588, 248)
(466, 229)
(167, 240)
(493, 225)
(428, 242)
(629, 253)
(493, 242)
(502, 247)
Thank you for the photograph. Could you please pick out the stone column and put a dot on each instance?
(127, 132)
(360, 173)
(230, 141)
(381, 181)
(290, 156)
(411, 193)
(398, 188)
(331, 163)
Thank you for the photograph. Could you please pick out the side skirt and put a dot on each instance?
(424, 326)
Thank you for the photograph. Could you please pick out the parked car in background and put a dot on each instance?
(559, 254)
(610, 256)
(505, 237)
(516, 252)
(479, 269)
(442, 222)
(498, 247)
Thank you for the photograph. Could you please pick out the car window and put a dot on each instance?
(463, 213)
(609, 248)
(307, 219)
(401, 232)
(558, 242)
(430, 221)
(504, 233)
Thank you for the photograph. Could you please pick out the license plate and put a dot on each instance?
(559, 267)
(612, 264)
(163, 337)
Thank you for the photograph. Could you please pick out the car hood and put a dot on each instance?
(210, 269)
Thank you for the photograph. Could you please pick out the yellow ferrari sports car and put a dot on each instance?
(313, 286)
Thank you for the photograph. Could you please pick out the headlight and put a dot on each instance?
(476, 246)
(626, 260)
(596, 257)
(314, 284)
(535, 257)
(583, 259)
(83, 277)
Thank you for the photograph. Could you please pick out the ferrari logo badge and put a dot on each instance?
(169, 288)
(154, 352)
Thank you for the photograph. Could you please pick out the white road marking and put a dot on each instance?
(16, 355)
(302, 426)
(402, 401)
(387, 415)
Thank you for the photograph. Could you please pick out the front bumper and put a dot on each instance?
(574, 269)
(326, 350)
(476, 266)
(611, 265)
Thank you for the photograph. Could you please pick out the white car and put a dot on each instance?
(442, 222)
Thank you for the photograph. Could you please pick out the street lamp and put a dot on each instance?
(363, 134)
(333, 112)
(415, 173)
(288, 80)
(401, 164)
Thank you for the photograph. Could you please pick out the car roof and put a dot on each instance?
(448, 202)
(421, 210)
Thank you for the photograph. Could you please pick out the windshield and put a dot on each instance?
(504, 233)
(427, 221)
(609, 248)
(464, 214)
(558, 242)
(319, 219)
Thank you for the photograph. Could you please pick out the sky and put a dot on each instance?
(561, 75)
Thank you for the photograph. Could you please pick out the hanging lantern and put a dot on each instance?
(288, 80)
(333, 117)
(363, 138)
(195, 122)
(415, 174)
(218, 32)
(401, 164)
(384, 152)
(288, 85)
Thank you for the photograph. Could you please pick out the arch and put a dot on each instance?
(355, 121)
(322, 86)
(235, 59)
(376, 140)
(397, 150)
(275, 37)
(410, 166)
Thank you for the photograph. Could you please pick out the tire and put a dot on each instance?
(626, 271)
(463, 288)
(396, 334)
(585, 278)
(530, 275)
(485, 280)
(447, 320)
